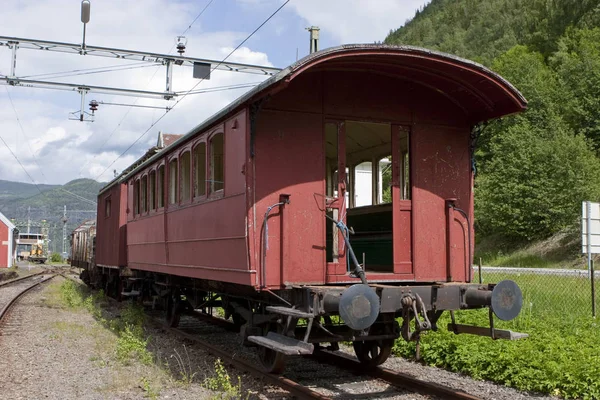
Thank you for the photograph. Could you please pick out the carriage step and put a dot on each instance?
(283, 344)
(292, 312)
(484, 331)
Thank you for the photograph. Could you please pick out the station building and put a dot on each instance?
(8, 242)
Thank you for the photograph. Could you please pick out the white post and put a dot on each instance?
(588, 223)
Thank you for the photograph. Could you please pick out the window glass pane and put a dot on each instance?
(384, 169)
(173, 182)
(144, 194)
(363, 183)
(404, 166)
(331, 159)
(136, 197)
(184, 175)
(160, 196)
(152, 191)
(216, 163)
(107, 207)
(200, 170)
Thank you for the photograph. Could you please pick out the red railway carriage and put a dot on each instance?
(343, 185)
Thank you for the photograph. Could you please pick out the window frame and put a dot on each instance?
(204, 179)
(174, 158)
(160, 186)
(152, 190)
(144, 194)
(107, 206)
(136, 196)
(211, 193)
(180, 156)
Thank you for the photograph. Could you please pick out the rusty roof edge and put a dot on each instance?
(284, 73)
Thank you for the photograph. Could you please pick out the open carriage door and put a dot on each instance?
(336, 195)
(401, 200)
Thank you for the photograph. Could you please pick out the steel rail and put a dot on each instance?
(295, 388)
(347, 362)
(395, 378)
(22, 278)
(7, 307)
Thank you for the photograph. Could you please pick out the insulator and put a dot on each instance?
(180, 48)
(93, 105)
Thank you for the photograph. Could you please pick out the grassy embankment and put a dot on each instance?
(561, 355)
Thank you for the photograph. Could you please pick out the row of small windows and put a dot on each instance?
(148, 192)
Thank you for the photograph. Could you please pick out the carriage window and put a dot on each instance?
(384, 180)
(363, 184)
(331, 159)
(152, 191)
(404, 166)
(136, 197)
(107, 204)
(173, 182)
(200, 170)
(160, 195)
(184, 176)
(216, 163)
(144, 194)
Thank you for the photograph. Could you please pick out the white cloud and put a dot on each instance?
(357, 21)
(56, 150)
(64, 150)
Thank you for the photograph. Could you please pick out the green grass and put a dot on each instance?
(132, 342)
(561, 356)
(520, 260)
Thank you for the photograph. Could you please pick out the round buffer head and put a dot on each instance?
(507, 300)
(359, 306)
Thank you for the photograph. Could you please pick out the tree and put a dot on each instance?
(577, 63)
(534, 185)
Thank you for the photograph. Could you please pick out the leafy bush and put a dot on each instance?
(56, 258)
(559, 357)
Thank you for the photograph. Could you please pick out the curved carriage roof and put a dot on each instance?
(480, 92)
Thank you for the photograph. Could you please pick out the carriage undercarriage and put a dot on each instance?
(371, 317)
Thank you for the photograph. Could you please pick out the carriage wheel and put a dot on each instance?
(173, 311)
(272, 361)
(372, 353)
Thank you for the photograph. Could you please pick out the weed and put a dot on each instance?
(149, 390)
(132, 344)
(221, 382)
(185, 368)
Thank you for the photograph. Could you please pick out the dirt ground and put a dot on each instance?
(51, 351)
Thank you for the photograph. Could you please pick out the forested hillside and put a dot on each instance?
(18, 201)
(533, 169)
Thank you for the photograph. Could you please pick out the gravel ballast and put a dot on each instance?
(50, 351)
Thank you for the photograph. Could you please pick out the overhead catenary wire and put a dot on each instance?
(88, 71)
(196, 19)
(137, 99)
(193, 88)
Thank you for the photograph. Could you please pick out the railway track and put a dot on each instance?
(338, 359)
(11, 291)
(401, 381)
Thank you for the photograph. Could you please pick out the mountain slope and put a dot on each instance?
(481, 30)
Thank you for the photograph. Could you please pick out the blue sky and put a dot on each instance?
(55, 150)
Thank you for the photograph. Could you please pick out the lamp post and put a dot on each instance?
(85, 18)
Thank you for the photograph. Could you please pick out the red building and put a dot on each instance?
(8, 245)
